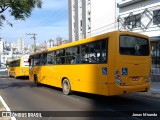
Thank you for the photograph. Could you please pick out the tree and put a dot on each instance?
(19, 9)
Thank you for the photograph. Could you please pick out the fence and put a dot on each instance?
(155, 71)
(3, 73)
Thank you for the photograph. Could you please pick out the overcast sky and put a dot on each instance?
(48, 22)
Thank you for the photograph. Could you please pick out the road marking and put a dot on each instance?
(6, 107)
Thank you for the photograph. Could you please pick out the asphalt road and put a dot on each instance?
(22, 95)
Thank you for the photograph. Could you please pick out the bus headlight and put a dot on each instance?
(117, 77)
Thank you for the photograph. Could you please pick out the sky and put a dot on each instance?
(48, 22)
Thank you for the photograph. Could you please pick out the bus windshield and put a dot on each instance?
(131, 45)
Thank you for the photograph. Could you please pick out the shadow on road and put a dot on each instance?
(91, 105)
(18, 83)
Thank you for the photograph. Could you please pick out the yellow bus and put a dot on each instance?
(114, 63)
(19, 67)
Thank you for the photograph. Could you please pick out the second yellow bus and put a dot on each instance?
(19, 67)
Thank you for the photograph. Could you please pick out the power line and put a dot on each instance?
(62, 14)
(34, 38)
(49, 19)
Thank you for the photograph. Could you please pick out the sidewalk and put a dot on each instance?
(155, 74)
(155, 77)
(155, 88)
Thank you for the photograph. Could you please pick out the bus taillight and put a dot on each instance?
(135, 78)
(117, 77)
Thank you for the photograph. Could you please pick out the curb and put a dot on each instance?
(6, 107)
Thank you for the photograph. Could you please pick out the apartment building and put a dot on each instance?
(1, 45)
(49, 43)
(20, 45)
(91, 17)
(142, 16)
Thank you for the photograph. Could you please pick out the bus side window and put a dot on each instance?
(49, 60)
(73, 61)
(32, 62)
(84, 53)
(58, 60)
(62, 60)
(104, 51)
(59, 56)
(72, 54)
(36, 60)
(95, 48)
(68, 60)
(93, 59)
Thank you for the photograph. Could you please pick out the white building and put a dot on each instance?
(4, 54)
(49, 43)
(91, 17)
(5, 57)
(1, 46)
(20, 45)
(142, 16)
(1, 51)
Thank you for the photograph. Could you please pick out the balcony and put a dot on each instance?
(125, 3)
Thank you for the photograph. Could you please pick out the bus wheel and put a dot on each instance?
(66, 87)
(36, 81)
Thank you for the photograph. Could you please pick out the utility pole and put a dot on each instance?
(34, 38)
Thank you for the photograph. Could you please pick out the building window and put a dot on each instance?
(89, 23)
(89, 12)
(89, 1)
(133, 21)
(156, 17)
(81, 25)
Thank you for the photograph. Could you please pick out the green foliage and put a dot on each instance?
(19, 9)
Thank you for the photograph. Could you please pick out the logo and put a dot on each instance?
(6, 114)
(124, 71)
(104, 71)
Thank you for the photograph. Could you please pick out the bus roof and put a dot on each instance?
(13, 60)
(24, 56)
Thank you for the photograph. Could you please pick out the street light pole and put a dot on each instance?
(34, 38)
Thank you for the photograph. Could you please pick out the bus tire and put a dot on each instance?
(36, 83)
(66, 87)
